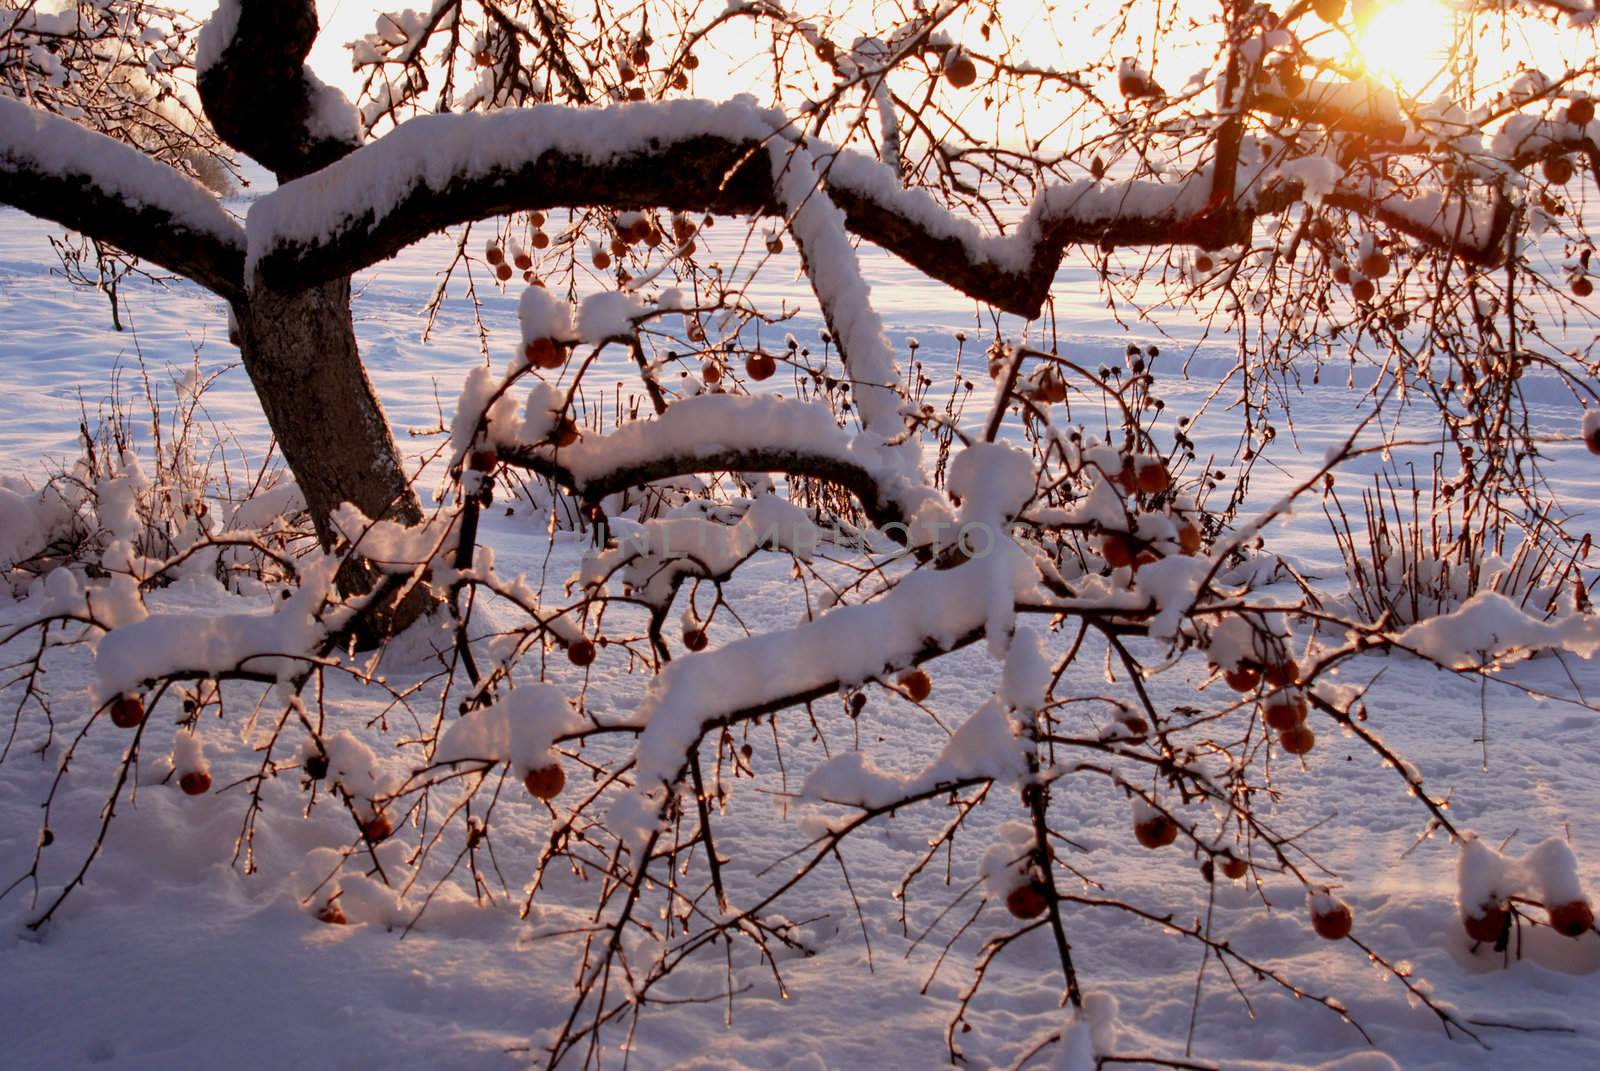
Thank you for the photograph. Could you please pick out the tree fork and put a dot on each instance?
(298, 342)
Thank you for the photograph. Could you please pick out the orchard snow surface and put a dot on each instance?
(172, 955)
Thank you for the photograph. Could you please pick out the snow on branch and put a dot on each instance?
(437, 170)
(275, 644)
(927, 613)
(57, 170)
(717, 432)
(1489, 626)
(693, 155)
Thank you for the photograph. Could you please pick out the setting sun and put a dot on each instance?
(1407, 42)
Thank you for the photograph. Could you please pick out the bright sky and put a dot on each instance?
(1403, 40)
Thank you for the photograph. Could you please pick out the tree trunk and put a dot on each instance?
(299, 349)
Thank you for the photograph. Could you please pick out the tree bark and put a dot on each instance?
(299, 349)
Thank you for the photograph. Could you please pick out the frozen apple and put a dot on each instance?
(1027, 901)
(127, 712)
(916, 684)
(546, 782)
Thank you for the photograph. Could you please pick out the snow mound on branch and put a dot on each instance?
(332, 115)
(655, 554)
(1485, 878)
(263, 509)
(854, 778)
(1489, 625)
(834, 270)
(1090, 1033)
(1318, 176)
(395, 547)
(843, 648)
(520, 729)
(543, 315)
(1005, 863)
(608, 314)
(993, 482)
(29, 520)
(985, 747)
(1173, 584)
(1027, 672)
(277, 642)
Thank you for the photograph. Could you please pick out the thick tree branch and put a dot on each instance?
(55, 169)
(436, 171)
(261, 97)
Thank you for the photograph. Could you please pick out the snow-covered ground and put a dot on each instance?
(169, 956)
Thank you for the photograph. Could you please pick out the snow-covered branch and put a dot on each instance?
(57, 170)
(691, 155)
(752, 435)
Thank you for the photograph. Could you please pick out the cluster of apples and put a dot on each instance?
(128, 712)
(1372, 266)
(1145, 475)
(1572, 919)
(636, 61)
(636, 228)
(1331, 918)
(1284, 709)
(519, 259)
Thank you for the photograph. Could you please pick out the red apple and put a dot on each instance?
(1242, 679)
(1188, 539)
(759, 366)
(1558, 170)
(1153, 477)
(1487, 926)
(127, 712)
(961, 72)
(195, 783)
(1284, 712)
(1157, 831)
(1299, 740)
(1027, 901)
(1281, 674)
(1374, 265)
(916, 684)
(1332, 924)
(546, 782)
(1573, 919)
(1116, 550)
(377, 828)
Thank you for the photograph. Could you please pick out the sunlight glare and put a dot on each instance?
(1407, 42)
